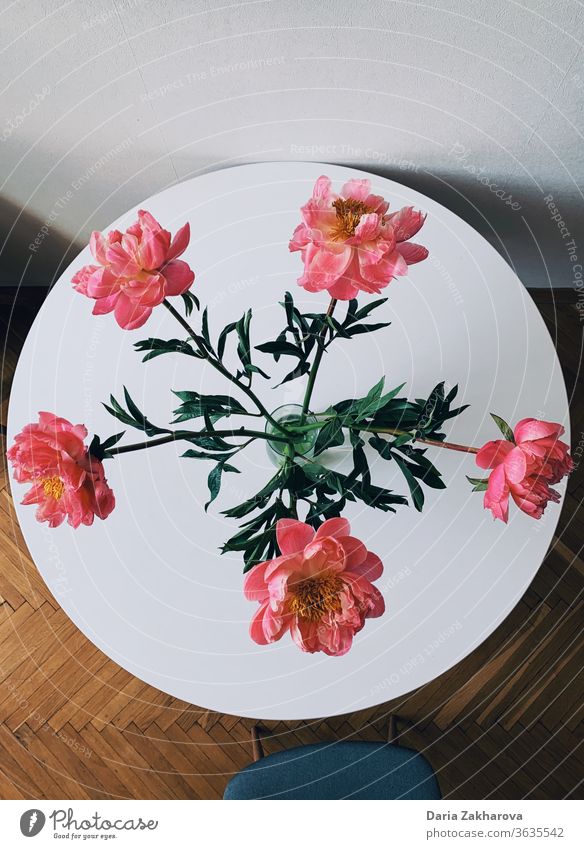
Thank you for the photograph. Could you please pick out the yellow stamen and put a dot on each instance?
(315, 597)
(53, 487)
(349, 212)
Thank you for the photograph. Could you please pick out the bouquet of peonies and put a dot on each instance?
(303, 567)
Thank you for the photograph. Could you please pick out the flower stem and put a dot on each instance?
(178, 436)
(207, 355)
(317, 358)
(452, 446)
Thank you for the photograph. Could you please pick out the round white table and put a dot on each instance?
(148, 585)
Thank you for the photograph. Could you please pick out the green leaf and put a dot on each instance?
(214, 480)
(134, 417)
(99, 449)
(229, 328)
(451, 395)
(314, 470)
(337, 328)
(301, 369)
(384, 400)
(478, 484)
(503, 427)
(288, 305)
(355, 314)
(132, 408)
(203, 455)
(205, 329)
(329, 436)
(418, 460)
(242, 329)
(415, 489)
(112, 440)
(375, 401)
(157, 347)
(210, 443)
(382, 446)
(368, 405)
(360, 464)
(433, 479)
(259, 500)
(190, 301)
(366, 328)
(195, 405)
(402, 439)
(277, 348)
(334, 482)
(257, 537)
(244, 345)
(434, 399)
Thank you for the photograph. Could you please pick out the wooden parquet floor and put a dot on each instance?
(504, 723)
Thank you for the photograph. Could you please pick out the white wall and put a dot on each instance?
(105, 103)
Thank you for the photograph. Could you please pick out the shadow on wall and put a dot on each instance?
(536, 233)
(32, 251)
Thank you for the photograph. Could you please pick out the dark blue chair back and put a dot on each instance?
(337, 771)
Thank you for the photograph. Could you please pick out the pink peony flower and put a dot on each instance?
(67, 481)
(136, 270)
(319, 589)
(349, 243)
(525, 468)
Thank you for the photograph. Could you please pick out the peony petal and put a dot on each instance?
(322, 189)
(179, 243)
(178, 276)
(256, 626)
(515, 465)
(293, 536)
(102, 283)
(357, 189)
(287, 563)
(344, 289)
(319, 222)
(376, 603)
(337, 527)
(147, 221)
(355, 552)
(130, 315)
(412, 252)
(35, 495)
(121, 263)
(300, 238)
(493, 453)
(368, 229)
(81, 278)
(326, 265)
(254, 584)
(371, 568)
(274, 625)
(103, 498)
(406, 222)
(98, 245)
(322, 556)
(305, 635)
(153, 249)
(147, 291)
(105, 305)
(497, 494)
(383, 270)
(530, 429)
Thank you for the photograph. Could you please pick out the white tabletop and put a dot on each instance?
(148, 585)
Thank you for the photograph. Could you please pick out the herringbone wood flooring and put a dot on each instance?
(505, 723)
